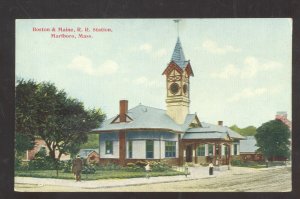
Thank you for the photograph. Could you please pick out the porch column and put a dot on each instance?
(195, 154)
(122, 147)
(180, 155)
(229, 155)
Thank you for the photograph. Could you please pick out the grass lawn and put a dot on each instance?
(99, 174)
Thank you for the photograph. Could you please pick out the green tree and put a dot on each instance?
(46, 112)
(92, 143)
(23, 143)
(248, 131)
(273, 139)
(24, 139)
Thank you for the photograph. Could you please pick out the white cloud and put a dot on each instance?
(85, 65)
(82, 64)
(107, 68)
(252, 66)
(146, 47)
(213, 47)
(146, 82)
(249, 70)
(227, 72)
(161, 53)
(247, 93)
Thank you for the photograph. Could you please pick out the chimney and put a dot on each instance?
(281, 115)
(220, 123)
(123, 110)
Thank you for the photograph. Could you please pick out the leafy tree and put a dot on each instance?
(248, 131)
(273, 139)
(46, 112)
(25, 124)
(23, 143)
(42, 153)
(92, 143)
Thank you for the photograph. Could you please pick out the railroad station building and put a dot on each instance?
(173, 135)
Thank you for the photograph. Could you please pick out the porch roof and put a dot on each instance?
(211, 131)
(205, 135)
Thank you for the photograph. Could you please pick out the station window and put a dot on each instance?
(210, 149)
(149, 148)
(235, 149)
(108, 147)
(170, 149)
(129, 149)
(201, 150)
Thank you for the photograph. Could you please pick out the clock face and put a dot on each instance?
(185, 88)
(174, 88)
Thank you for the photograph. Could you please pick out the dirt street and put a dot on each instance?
(273, 180)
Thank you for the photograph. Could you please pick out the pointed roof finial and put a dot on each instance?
(178, 55)
(177, 22)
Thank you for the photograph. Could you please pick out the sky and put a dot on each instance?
(242, 67)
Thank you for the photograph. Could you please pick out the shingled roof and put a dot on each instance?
(211, 131)
(143, 117)
(149, 118)
(178, 55)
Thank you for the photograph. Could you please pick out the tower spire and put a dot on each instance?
(178, 73)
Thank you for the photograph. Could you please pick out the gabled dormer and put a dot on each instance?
(122, 117)
(195, 123)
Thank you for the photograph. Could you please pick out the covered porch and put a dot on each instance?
(205, 151)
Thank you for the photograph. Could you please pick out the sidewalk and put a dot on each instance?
(195, 173)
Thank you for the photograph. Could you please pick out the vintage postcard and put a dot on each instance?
(153, 105)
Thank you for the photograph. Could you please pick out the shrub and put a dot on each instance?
(190, 164)
(154, 165)
(108, 166)
(159, 166)
(67, 166)
(88, 169)
(141, 163)
(46, 163)
(41, 164)
(133, 167)
(205, 164)
(236, 162)
(18, 162)
(42, 153)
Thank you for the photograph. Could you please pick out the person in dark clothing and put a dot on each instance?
(211, 168)
(77, 168)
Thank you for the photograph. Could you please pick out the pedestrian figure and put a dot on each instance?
(211, 168)
(77, 168)
(148, 169)
(186, 169)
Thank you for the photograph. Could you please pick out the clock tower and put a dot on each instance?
(178, 74)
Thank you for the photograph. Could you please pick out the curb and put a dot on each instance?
(84, 186)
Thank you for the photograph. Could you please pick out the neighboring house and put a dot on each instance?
(248, 150)
(90, 155)
(282, 116)
(173, 135)
(39, 144)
